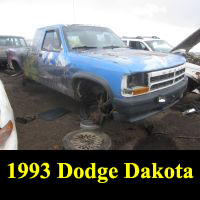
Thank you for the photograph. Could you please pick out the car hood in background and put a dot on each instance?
(189, 42)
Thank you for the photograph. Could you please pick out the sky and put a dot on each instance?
(172, 20)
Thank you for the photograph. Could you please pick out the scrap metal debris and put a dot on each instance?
(49, 115)
(194, 108)
(26, 119)
(153, 132)
(194, 59)
(53, 114)
(196, 91)
(189, 111)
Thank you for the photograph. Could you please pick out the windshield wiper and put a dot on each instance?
(84, 47)
(111, 47)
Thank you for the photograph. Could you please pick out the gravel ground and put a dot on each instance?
(174, 130)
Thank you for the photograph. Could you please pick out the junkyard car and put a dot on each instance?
(14, 42)
(92, 65)
(8, 133)
(153, 43)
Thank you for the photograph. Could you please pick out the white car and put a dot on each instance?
(8, 133)
(153, 43)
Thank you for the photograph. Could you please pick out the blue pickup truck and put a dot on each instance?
(93, 66)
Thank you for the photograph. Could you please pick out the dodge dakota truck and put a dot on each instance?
(11, 42)
(93, 66)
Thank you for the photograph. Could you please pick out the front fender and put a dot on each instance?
(94, 78)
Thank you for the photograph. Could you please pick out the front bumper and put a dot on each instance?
(140, 107)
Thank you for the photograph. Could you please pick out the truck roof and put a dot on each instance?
(68, 25)
(141, 38)
(11, 36)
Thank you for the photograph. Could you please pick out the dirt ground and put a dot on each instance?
(173, 130)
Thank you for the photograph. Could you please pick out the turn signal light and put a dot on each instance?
(5, 132)
(142, 90)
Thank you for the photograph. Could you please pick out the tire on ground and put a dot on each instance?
(84, 139)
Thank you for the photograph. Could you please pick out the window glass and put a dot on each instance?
(4, 41)
(22, 42)
(51, 41)
(12, 41)
(74, 41)
(160, 46)
(138, 45)
(9, 42)
(135, 45)
(143, 46)
(96, 37)
(125, 42)
(16, 42)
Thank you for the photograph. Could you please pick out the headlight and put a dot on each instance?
(134, 85)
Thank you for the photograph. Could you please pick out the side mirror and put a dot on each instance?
(180, 52)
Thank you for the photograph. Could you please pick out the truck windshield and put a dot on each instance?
(12, 41)
(88, 37)
(160, 46)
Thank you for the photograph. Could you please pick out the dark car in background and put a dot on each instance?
(10, 42)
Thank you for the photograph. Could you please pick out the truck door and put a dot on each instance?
(52, 65)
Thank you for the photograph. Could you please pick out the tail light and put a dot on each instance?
(5, 132)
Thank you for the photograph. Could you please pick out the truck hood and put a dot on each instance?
(189, 42)
(136, 60)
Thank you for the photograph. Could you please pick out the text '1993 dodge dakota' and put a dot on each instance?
(92, 65)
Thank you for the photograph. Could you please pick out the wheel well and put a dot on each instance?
(83, 86)
(95, 100)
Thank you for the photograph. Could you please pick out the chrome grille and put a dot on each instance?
(165, 78)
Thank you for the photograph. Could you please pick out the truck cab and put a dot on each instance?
(92, 65)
